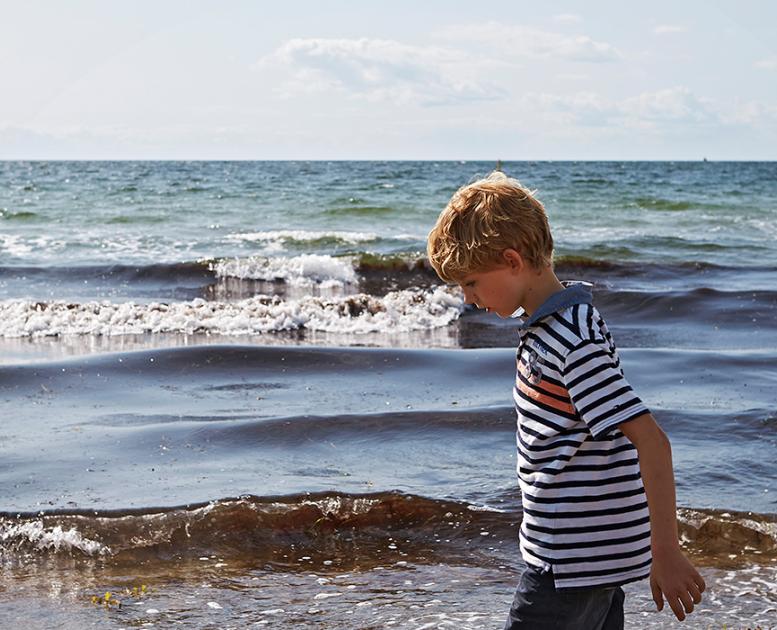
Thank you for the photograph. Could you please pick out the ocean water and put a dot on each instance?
(235, 394)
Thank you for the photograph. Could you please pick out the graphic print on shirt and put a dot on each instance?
(540, 389)
(529, 366)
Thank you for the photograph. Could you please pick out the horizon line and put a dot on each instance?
(453, 160)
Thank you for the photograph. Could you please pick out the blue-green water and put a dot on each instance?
(76, 213)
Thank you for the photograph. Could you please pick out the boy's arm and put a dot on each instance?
(672, 576)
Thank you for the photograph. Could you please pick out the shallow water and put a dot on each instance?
(189, 424)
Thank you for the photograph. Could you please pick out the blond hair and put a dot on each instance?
(482, 220)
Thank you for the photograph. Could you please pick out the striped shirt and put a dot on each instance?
(585, 513)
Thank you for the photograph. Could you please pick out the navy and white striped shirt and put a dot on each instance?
(585, 513)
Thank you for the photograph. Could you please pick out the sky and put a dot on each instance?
(370, 79)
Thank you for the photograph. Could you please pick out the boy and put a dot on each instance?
(594, 467)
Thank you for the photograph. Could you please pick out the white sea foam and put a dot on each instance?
(305, 270)
(35, 534)
(15, 245)
(396, 312)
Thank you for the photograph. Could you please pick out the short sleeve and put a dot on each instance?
(597, 387)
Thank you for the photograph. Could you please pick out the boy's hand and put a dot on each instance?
(673, 577)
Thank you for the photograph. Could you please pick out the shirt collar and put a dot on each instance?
(575, 292)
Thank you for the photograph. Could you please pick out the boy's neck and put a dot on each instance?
(543, 285)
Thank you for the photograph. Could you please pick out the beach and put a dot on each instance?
(236, 394)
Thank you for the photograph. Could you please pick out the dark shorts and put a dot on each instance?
(539, 606)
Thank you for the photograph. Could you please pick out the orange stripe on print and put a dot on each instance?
(544, 398)
(555, 389)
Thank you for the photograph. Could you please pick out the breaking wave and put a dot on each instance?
(397, 311)
(322, 523)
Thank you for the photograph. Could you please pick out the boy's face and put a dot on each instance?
(498, 290)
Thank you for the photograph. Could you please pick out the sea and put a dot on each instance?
(235, 394)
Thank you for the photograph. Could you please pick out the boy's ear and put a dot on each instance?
(512, 258)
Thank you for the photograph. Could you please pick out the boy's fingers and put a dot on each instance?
(676, 607)
(687, 602)
(695, 592)
(699, 581)
(658, 596)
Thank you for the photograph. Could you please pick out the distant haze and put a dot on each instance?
(388, 80)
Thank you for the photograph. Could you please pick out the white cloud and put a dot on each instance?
(669, 29)
(59, 142)
(572, 110)
(649, 110)
(573, 76)
(770, 63)
(106, 142)
(673, 104)
(567, 17)
(521, 42)
(382, 70)
(752, 113)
